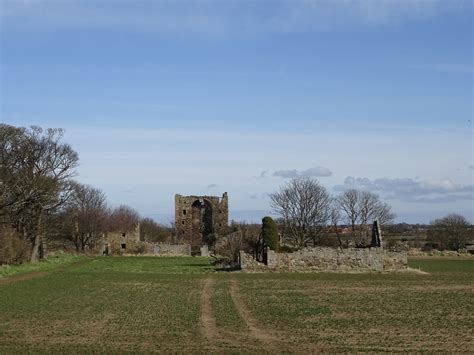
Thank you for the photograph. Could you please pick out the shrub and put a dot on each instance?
(115, 249)
(397, 246)
(229, 246)
(13, 248)
(137, 248)
(211, 240)
(286, 249)
(429, 247)
(451, 232)
(328, 240)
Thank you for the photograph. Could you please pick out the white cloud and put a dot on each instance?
(412, 190)
(212, 186)
(312, 172)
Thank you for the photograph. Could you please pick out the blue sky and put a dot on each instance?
(202, 97)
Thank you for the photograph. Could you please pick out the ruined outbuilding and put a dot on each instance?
(120, 242)
(130, 243)
(197, 217)
(374, 258)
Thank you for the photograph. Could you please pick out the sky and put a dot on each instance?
(202, 97)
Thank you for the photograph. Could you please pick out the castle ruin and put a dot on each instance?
(196, 217)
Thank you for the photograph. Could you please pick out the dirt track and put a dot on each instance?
(208, 322)
(35, 274)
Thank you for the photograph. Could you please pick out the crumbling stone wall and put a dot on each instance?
(129, 243)
(329, 259)
(196, 217)
(248, 263)
(395, 260)
(162, 249)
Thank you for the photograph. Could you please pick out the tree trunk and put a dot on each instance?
(37, 240)
(339, 238)
(83, 241)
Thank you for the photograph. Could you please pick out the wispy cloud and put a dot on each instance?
(312, 172)
(412, 190)
(261, 196)
(250, 216)
(221, 17)
(174, 135)
(212, 186)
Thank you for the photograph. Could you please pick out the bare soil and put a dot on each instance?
(256, 330)
(22, 277)
(208, 322)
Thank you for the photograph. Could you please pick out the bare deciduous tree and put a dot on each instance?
(450, 232)
(360, 209)
(335, 219)
(384, 213)
(35, 172)
(87, 210)
(349, 204)
(303, 205)
(150, 231)
(123, 219)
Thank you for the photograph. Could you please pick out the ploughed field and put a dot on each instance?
(151, 304)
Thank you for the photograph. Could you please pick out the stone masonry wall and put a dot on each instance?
(395, 260)
(248, 263)
(329, 259)
(120, 242)
(187, 220)
(168, 249)
(129, 243)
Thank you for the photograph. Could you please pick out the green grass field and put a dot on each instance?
(147, 304)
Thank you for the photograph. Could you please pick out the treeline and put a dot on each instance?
(39, 198)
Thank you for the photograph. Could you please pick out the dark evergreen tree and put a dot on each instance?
(270, 233)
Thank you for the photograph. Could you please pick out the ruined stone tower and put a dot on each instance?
(198, 216)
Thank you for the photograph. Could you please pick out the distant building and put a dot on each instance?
(470, 248)
(196, 217)
(120, 242)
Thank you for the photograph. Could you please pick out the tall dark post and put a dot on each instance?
(376, 235)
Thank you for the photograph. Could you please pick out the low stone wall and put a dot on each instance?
(168, 249)
(328, 259)
(248, 263)
(205, 251)
(395, 260)
(120, 246)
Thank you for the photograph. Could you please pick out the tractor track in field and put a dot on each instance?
(22, 277)
(257, 331)
(208, 322)
(209, 329)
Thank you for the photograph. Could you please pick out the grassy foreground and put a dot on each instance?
(147, 304)
(55, 260)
